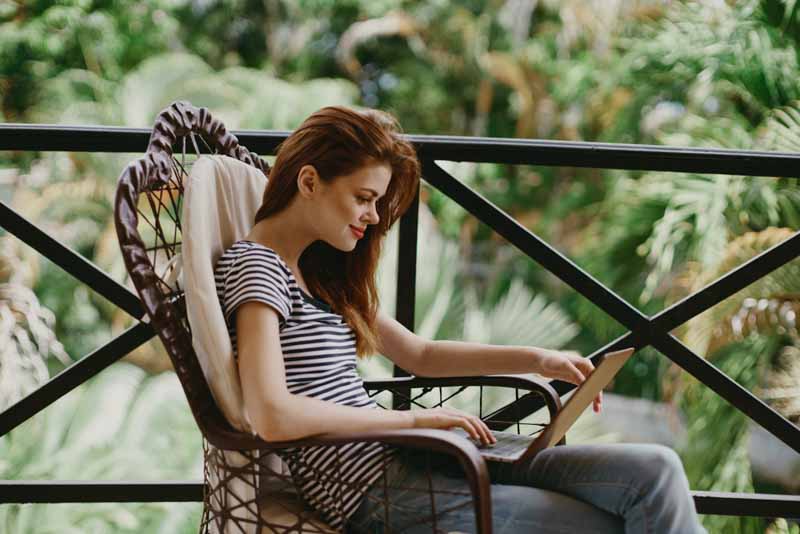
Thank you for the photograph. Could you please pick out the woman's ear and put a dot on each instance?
(308, 181)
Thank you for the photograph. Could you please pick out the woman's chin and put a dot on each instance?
(346, 246)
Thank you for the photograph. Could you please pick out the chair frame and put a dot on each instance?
(154, 176)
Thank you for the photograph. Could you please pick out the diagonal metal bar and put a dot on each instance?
(728, 389)
(62, 491)
(530, 244)
(69, 260)
(73, 376)
(620, 310)
(727, 285)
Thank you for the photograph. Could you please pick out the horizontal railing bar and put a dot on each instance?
(51, 137)
(110, 139)
(610, 156)
(728, 284)
(83, 491)
(70, 261)
(74, 375)
(56, 492)
(747, 504)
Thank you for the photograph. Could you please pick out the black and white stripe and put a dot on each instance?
(319, 352)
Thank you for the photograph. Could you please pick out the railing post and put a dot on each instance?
(406, 286)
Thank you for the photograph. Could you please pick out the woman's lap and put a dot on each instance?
(585, 488)
(515, 508)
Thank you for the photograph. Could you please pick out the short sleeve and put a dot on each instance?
(257, 274)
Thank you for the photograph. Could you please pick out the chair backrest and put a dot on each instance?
(150, 193)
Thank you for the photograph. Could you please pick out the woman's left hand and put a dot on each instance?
(568, 366)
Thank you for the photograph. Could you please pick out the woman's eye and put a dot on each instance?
(363, 199)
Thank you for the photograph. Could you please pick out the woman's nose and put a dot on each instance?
(374, 218)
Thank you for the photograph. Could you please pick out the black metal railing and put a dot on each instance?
(643, 330)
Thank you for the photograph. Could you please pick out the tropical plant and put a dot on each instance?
(446, 307)
(39, 40)
(27, 339)
(753, 337)
(70, 195)
(711, 462)
(121, 425)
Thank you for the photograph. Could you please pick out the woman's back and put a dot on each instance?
(319, 352)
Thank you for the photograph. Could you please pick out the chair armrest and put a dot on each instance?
(530, 383)
(443, 441)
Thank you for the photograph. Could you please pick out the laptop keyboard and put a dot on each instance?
(508, 444)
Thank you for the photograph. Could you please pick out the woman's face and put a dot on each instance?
(347, 205)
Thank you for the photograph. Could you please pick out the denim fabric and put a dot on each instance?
(630, 488)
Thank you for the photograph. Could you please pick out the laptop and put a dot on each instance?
(511, 448)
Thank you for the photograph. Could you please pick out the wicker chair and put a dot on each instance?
(149, 194)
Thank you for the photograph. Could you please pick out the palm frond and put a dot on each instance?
(120, 425)
(782, 384)
(766, 306)
(27, 336)
(716, 456)
(781, 131)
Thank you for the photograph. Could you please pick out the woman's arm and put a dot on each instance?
(423, 357)
(443, 358)
(278, 415)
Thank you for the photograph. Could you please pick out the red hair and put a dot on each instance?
(337, 141)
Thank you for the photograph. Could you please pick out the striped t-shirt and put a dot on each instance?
(319, 354)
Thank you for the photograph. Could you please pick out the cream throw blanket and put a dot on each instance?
(221, 197)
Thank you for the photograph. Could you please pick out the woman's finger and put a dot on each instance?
(476, 429)
(574, 376)
(598, 402)
(453, 420)
(484, 430)
(468, 425)
(585, 365)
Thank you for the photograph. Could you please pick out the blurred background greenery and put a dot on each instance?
(701, 74)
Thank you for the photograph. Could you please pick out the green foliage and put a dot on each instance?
(38, 40)
(715, 456)
(767, 306)
(121, 425)
(72, 193)
(701, 74)
(783, 16)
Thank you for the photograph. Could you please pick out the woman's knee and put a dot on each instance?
(526, 509)
(658, 462)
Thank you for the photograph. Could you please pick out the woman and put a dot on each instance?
(301, 303)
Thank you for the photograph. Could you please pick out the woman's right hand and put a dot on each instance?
(446, 418)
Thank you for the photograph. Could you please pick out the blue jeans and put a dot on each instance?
(630, 488)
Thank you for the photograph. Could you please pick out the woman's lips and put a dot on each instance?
(358, 233)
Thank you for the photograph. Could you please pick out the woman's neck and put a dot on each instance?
(283, 234)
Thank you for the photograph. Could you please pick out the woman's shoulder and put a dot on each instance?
(244, 254)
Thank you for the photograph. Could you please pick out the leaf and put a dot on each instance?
(767, 306)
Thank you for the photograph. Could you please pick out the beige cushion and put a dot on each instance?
(284, 510)
(221, 197)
